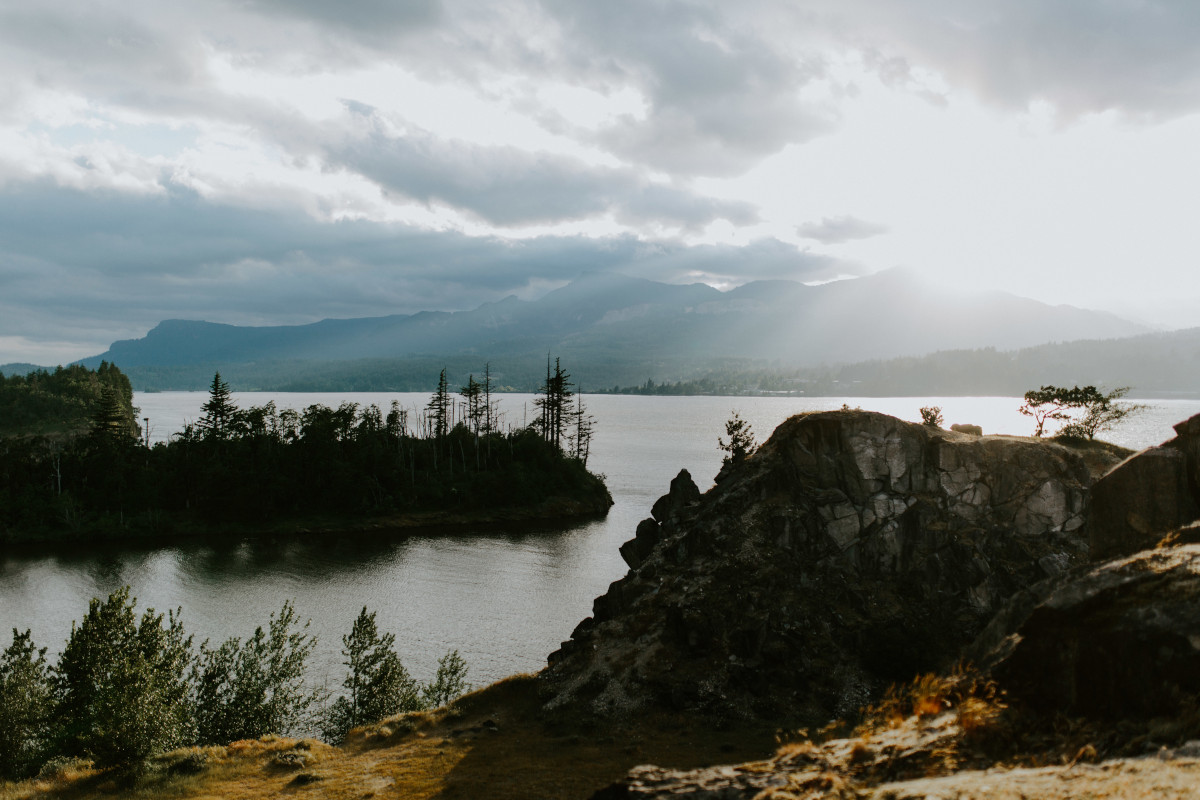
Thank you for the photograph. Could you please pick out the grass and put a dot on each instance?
(495, 743)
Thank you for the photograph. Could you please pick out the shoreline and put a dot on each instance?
(550, 513)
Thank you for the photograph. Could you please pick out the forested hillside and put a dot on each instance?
(66, 400)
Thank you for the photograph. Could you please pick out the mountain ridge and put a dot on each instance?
(885, 315)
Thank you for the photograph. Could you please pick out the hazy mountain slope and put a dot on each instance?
(605, 317)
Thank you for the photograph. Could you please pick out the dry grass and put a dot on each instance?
(494, 743)
(977, 702)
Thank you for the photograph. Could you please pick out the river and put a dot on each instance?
(504, 601)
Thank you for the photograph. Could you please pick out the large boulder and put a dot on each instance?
(1147, 495)
(852, 550)
(1121, 640)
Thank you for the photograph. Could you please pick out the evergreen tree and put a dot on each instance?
(741, 439)
(554, 405)
(25, 705)
(377, 683)
(111, 423)
(439, 407)
(489, 406)
(472, 395)
(585, 426)
(121, 685)
(220, 413)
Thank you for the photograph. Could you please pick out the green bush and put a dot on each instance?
(121, 685)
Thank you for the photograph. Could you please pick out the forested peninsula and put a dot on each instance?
(73, 464)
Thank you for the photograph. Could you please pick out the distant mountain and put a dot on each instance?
(606, 318)
(18, 368)
(1158, 365)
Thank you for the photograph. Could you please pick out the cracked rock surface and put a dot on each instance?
(852, 550)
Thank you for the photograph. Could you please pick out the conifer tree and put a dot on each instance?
(24, 707)
(439, 407)
(554, 405)
(247, 690)
(220, 412)
(378, 685)
(121, 685)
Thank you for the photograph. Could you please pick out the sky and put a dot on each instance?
(283, 161)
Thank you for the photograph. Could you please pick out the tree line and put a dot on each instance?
(65, 401)
(262, 464)
(127, 687)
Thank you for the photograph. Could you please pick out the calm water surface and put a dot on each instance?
(503, 600)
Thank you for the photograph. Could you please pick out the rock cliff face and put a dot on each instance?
(1147, 495)
(850, 551)
(1118, 641)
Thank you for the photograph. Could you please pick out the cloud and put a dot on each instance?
(719, 96)
(509, 186)
(362, 17)
(836, 230)
(92, 267)
(1134, 56)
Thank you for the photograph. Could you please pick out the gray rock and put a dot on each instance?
(973, 430)
(1147, 495)
(850, 544)
(1121, 640)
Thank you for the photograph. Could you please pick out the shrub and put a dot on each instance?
(932, 416)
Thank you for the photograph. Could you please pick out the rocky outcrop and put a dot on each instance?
(1121, 640)
(1147, 495)
(850, 551)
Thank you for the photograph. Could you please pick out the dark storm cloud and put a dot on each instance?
(117, 264)
(510, 186)
(835, 230)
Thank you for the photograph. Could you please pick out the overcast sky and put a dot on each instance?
(283, 161)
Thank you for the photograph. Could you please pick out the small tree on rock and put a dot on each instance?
(741, 439)
(1102, 415)
(1085, 411)
(931, 416)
